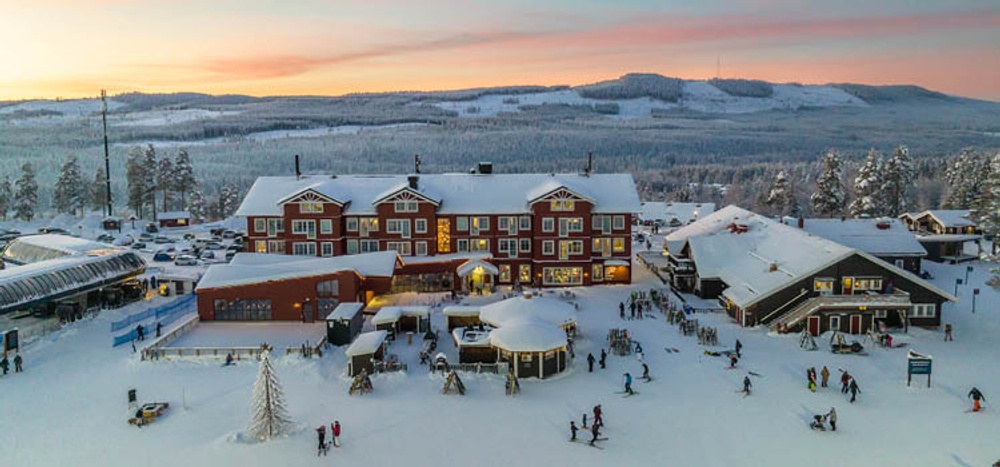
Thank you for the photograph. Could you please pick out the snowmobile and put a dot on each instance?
(148, 413)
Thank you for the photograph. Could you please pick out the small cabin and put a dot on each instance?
(473, 343)
(112, 223)
(395, 319)
(364, 351)
(460, 316)
(344, 323)
(174, 219)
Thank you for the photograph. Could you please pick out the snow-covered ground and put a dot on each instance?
(69, 407)
(167, 117)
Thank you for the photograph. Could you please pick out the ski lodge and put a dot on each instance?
(945, 233)
(455, 231)
(886, 239)
(672, 214)
(765, 272)
(174, 219)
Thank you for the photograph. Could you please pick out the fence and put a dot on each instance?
(388, 367)
(494, 368)
(157, 312)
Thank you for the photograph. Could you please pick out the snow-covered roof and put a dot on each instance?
(467, 267)
(458, 310)
(865, 235)
(467, 255)
(685, 213)
(366, 343)
(616, 262)
(173, 215)
(34, 248)
(950, 217)
(345, 311)
(459, 193)
(21, 285)
(528, 335)
(547, 310)
(471, 338)
(711, 223)
(251, 268)
(948, 238)
(387, 314)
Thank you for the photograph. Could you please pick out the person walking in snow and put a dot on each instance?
(604, 357)
(572, 429)
(645, 372)
(621, 309)
(5, 364)
(739, 347)
(595, 431)
(140, 333)
(733, 360)
(947, 332)
(831, 416)
(747, 385)
(159, 328)
(854, 390)
(321, 434)
(825, 375)
(590, 362)
(976, 396)
(628, 384)
(845, 381)
(598, 420)
(585, 420)
(335, 432)
(17, 363)
(631, 307)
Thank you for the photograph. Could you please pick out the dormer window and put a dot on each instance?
(311, 208)
(562, 205)
(406, 206)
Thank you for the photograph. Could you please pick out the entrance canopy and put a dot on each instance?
(616, 262)
(473, 265)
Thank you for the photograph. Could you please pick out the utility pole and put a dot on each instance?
(107, 157)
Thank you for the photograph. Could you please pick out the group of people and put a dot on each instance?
(595, 427)
(591, 360)
(818, 422)
(5, 363)
(849, 385)
(140, 332)
(811, 377)
(708, 336)
(334, 434)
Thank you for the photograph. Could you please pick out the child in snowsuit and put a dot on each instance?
(854, 390)
(825, 375)
(17, 364)
(335, 431)
(746, 385)
(733, 360)
(321, 434)
(572, 429)
(590, 363)
(976, 397)
(628, 384)
(947, 332)
(604, 357)
(832, 417)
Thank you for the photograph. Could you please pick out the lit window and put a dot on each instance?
(310, 208)
(444, 235)
(504, 273)
(619, 245)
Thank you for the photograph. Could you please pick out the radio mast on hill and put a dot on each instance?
(107, 157)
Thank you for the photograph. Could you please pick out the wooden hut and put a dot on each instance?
(363, 351)
(460, 316)
(533, 348)
(415, 318)
(344, 322)
(387, 319)
(473, 344)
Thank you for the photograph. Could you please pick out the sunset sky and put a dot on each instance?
(73, 48)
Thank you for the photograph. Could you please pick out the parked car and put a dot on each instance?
(235, 247)
(161, 240)
(138, 246)
(208, 255)
(52, 230)
(214, 246)
(189, 236)
(228, 234)
(152, 228)
(185, 251)
(105, 238)
(229, 255)
(217, 231)
(186, 260)
(124, 240)
(146, 237)
(163, 256)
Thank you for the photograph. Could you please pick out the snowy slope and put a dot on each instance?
(74, 391)
(70, 108)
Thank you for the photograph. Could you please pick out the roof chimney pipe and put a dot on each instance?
(298, 171)
(413, 180)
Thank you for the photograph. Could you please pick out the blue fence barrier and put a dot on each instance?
(165, 315)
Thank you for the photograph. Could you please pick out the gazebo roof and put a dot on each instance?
(546, 310)
(528, 335)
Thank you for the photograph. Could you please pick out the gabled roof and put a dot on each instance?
(950, 218)
(714, 222)
(252, 268)
(366, 343)
(683, 212)
(553, 186)
(458, 193)
(405, 187)
(311, 190)
(865, 235)
(173, 215)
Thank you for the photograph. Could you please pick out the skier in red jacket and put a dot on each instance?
(335, 430)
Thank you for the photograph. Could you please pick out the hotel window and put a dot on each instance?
(326, 226)
(352, 224)
(562, 276)
(619, 222)
(504, 273)
(923, 310)
(835, 323)
(301, 227)
(525, 222)
(420, 225)
(823, 285)
(276, 246)
(406, 206)
(352, 247)
(868, 283)
(601, 246)
(311, 208)
(618, 245)
(524, 273)
(504, 244)
(568, 225)
(398, 226)
(275, 226)
(260, 246)
(403, 248)
(328, 289)
(548, 247)
(548, 224)
(326, 249)
(480, 223)
(562, 205)
(421, 248)
(524, 245)
(304, 248)
(369, 246)
(444, 235)
(503, 223)
(463, 245)
(598, 272)
(479, 245)
(462, 224)
(260, 225)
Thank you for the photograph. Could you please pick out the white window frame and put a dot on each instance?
(830, 322)
(309, 248)
(276, 246)
(326, 249)
(619, 223)
(309, 231)
(352, 247)
(548, 248)
(403, 248)
(368, 246)
(505, 273)
(396, 226)
(405, 206)
(548, 224)
(260, 225)
(923, 310)
(352, 224)
(597, 272)
(260, 246)
(524, 223)
(461, 224)
(503, 223)
(326, 226)
(479, 244)
(420, 249)
(615, 247)
(881, 314)
(462, 245)
(310, 207)
(420, 225)
(524, 245)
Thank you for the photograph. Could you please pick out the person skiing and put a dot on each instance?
(590, 362)
(739, 348)
(976, 396)
(638, 348)
(845, 380)
(632, 308)
(595, 431)
(229, 359)
(585, 419)
(321, 434)
(597, 415)
(645, 372)
(17, 363)
(4, 364)
(747, 385)
(572, 429)
(628, 384)
(947, 332)
(854, 390)
(831, 416)
(140, 334)
(621, 309)
(825, 375)
(159, 328)
(604, 357)
(335, 432)
(733, 360)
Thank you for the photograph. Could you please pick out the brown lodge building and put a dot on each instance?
(455, 231)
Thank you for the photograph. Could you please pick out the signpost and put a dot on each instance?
(968, 269)
(974, 293)
(958, 282)
(918, 364)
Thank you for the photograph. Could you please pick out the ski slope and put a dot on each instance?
(69, 407)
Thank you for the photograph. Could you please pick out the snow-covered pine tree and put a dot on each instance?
(897, 178)
(136, 178)
(184, 180)
(70, 191)
(270, 417)
(6, 197)
(781, 196)
(197, 206)
(149, 167)
(165, 180)
(986, 209)
(965, 176)
(867, 187)
(26, 194)
(830, 196)
(98, 192)
(229, 199)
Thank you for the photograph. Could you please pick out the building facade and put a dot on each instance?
(509, 229)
